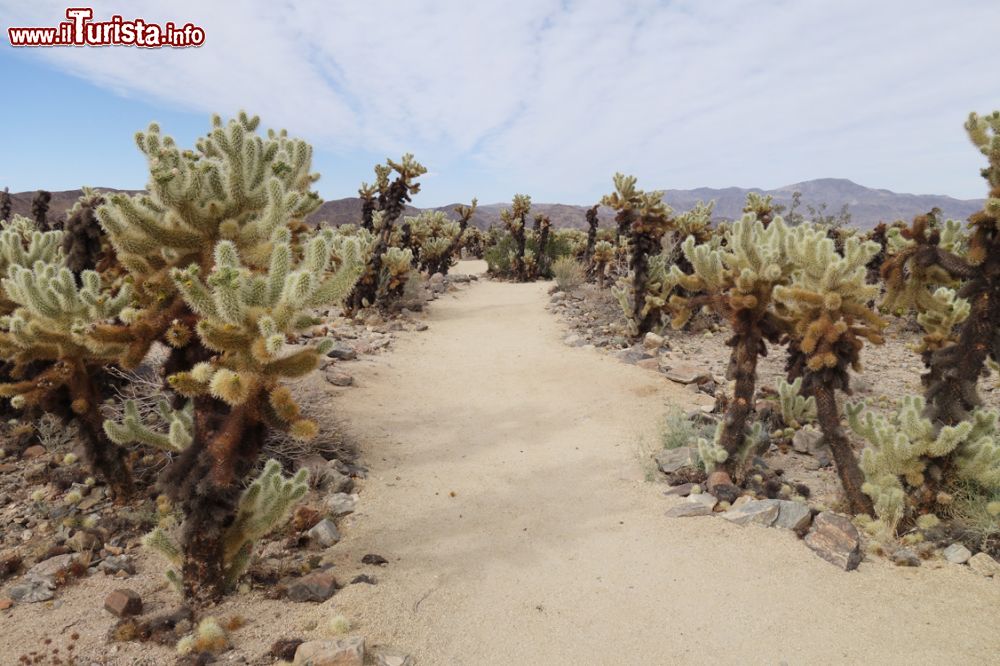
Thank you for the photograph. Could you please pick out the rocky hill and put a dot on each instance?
(866, 205)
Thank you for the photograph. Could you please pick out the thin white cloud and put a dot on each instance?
(552, 97)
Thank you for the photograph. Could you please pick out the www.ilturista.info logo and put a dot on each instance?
(80, 30)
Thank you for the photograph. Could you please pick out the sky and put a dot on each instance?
(544, 97)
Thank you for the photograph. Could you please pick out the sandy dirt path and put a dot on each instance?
(506, 491)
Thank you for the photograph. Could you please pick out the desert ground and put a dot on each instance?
(508, 488)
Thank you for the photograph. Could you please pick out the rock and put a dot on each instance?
(557, 297)
(794, 516)
(672, 460)
(336, 481)
(437, 278)
(721, 485)
(318, 586)
(688, 373)
(32, 589)
(421, 327)
(32, 452)
(84, 542)
(649, 364)
(364, 578)
(758, 512)
(341, 504)
(305, 517)
(342, 652)
(54, 567)
(741, 500)
(807, 440)
(682, 490)
(112, 564)
(701, 504)
(342, 352)
(982, 564)
(284, 649)
(632, 355)
(906, 557)
(123, 603)
(324, 533)
(573, 340)
(339, 378)
(6, 604)
(834, 538)
(652, 341)
(957, 553)
(394, 659)
(373, 559)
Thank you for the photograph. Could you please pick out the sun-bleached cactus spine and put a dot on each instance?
(737, 280)
(905, 454)
(827, 307)
(646, 219)
(263, 507)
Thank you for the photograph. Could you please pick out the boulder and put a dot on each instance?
(652, 341)
(688, 373)
(984, 565)
(957, 553)
(834, 538)
(324, 533)
(318, 586)
(794, 516)
(123, 603)
(757, 512)
(343, 652)
(701, 504)
(672, 460)
(342, 352)
(341, 504)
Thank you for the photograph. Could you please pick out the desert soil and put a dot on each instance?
(506, 490)
(507, 493)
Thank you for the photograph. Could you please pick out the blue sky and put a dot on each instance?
(546, 97)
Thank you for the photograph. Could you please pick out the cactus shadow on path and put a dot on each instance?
(506, 492)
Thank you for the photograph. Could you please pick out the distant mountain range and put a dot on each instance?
(866, 205)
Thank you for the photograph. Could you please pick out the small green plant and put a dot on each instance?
(796, 410)
(569, 273)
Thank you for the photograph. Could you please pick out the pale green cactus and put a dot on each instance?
(903, 450)
(796, 410)
(263, 507)
(714, 454)
(132, 430)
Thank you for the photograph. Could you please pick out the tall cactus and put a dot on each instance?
(737, 280)
(5, 204)
(827, 305)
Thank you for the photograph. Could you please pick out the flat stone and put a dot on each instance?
(957, 553)
(688, 373)
(54, 566)
(758, 512)
(115, 564)
(339, 378)
(682, 490)
(341, 504)
(794, 516)
(32, 589)
(701, 504)
(649, 364)
(318, 586)
(394, 659)
(336, 481)
(123, 603)
(342, 352)
(343, 652)
(324, 533)
(672, 460)
(834, 538)
(984, 565)
(906, 557)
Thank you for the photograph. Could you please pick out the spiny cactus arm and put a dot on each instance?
(132, 430)
(796, 410)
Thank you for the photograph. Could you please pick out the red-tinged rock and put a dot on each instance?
(834, 538)
(123, 603)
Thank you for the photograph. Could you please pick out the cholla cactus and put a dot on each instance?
(84, 242)
(592, 223)
(393, 195)
(23, 244)
(602, 258)
(52, 325)
(542, 229)
(40, 210)
(714, 453)
(907, 453)
(760, 206)
(5, 204)
(796, 410)
(826, 305)
(436, 238)
(263, 507)
(179, 432)
(514, 219)
(737, 280)
(647, 219)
